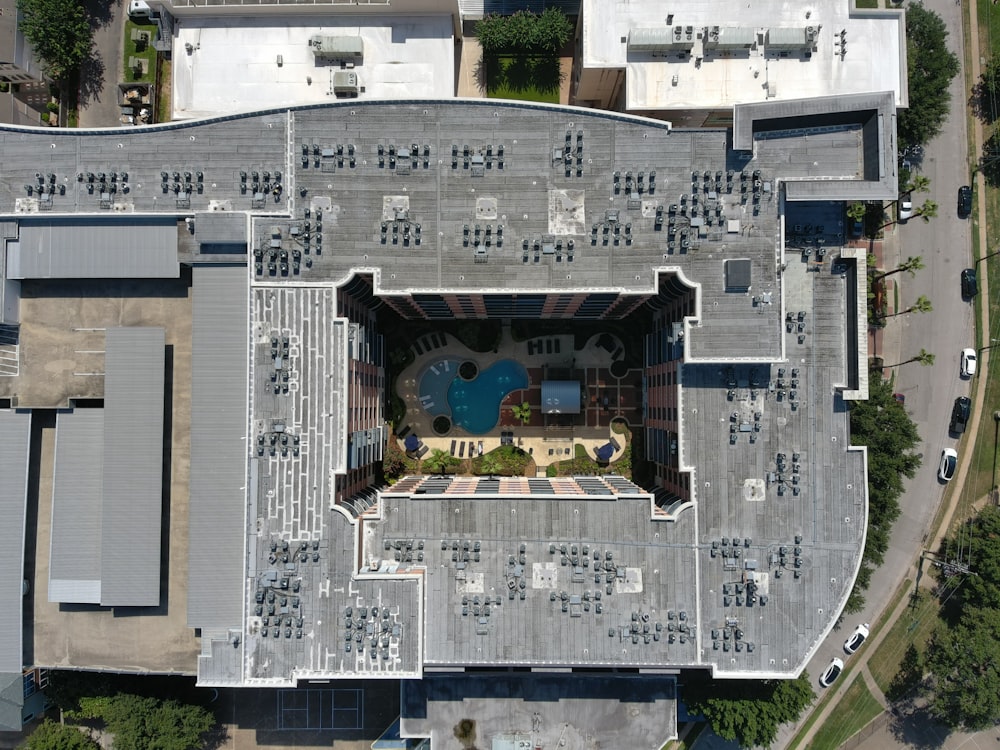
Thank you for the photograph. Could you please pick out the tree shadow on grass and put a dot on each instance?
(521, 74)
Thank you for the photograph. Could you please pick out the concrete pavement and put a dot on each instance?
(99, 77)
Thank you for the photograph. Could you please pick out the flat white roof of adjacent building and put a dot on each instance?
(232, 65)
(706, 78)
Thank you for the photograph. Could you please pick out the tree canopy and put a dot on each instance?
(751, 712)
(141, 723)
(882, 424)
(931, 67)
(52, 736)
(525, 31)
(964, 662)
(59, 32)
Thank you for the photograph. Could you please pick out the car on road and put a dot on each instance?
(905, 207)
(853, 643)
(949, 460)
(970, 287)
(960, 414)
(831, 673)
(968, 363)
(964, 202)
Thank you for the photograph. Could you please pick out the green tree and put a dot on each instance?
(964, 664)
(931, 66)
(552, 30)
(927, 211)
(911, 265)
(751, 712)
(141, 723)
(439, 461)
(881, 424)
(52, 736)
(491, 31)
(522, 412)
(856, 211)
(979, 540)
(59, 32)
(921, 304)
(917, 183)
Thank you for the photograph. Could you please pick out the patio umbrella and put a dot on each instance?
(605, 452)
(411, 442)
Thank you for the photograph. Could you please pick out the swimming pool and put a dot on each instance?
(475, 404)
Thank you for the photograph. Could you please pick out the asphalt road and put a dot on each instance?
(99, 78)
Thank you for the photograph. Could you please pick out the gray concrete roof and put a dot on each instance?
(663, 564)
(15, 434)
(572, 710)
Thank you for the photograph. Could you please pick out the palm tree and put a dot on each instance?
(927, 211)
(438, 461)
(522, 412)
(921, 305)
(911, 265)
(925, 358)
(856, 211)
(918, 184)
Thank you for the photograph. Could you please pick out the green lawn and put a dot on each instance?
(981, 471)
(857, 707)
(523, 77)
(135, 50)
(867, 3)
(913, 627)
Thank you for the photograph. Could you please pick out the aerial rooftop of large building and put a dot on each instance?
(443, 210)
(714, 54)
(225, 64)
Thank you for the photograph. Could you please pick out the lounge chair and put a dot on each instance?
(453, 447)
(461, 450)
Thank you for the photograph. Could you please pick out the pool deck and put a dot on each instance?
(607, 398)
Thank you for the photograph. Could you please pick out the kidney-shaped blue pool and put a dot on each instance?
(475, 404)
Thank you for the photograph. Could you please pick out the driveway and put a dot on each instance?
(100, 75)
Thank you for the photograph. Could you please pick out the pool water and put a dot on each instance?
(475, 404)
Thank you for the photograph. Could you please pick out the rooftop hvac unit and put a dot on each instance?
(345, 84)
(345, 48)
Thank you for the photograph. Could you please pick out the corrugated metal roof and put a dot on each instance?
(133, 467)
(77, 501)
(219, 408)
(15, 438)
(95, 248)
(220, 228)
(11, 701)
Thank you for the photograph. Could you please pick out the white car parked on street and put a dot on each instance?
(968, 363)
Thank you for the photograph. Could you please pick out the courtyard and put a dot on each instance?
(468, 403)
